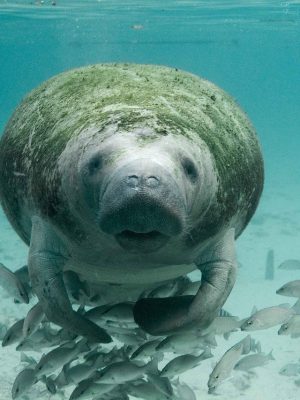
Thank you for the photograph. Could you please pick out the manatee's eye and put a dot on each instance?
(190, 169)
(250, 322)
(94, 164)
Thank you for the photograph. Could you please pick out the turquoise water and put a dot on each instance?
(249, 48)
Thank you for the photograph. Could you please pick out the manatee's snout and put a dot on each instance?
(142, 206)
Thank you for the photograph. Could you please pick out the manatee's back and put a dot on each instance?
(129, 96)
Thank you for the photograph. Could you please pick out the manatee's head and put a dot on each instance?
(141, 190)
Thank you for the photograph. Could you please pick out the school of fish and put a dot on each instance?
(137, 364)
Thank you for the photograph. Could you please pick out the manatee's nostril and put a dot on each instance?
(152, 181)
(132, 180)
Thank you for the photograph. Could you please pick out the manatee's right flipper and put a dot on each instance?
(46, 261)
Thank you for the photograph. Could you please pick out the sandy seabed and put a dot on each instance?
(276, 225)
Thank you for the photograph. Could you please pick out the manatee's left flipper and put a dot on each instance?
(46, 260)
(218, 267)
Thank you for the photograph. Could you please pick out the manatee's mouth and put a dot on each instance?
(144, 242)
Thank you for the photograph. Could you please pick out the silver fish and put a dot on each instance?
(95, 314)
(224, 367)
(291, 327)
(14, 334)
(267, 318)
(12, 285)
(146, 391)
(185, 343)
(23, 382)
(184, 363)
(53, 360)
(184, 392)
(253, 361)
(146, 349)
(162, 384)
(290, 289)
(224, 325)
(32, 320)
(124, 371)
(291, 369)
(291, 264)
(88, 389)
(121, 313)
(75, 374)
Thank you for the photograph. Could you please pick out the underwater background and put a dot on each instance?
(251, 49)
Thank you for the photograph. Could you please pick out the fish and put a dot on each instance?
(290, 264)
(61, 355)
(162, 384)
(14, 334)
(124, 371)
(23, 275)
(87, 389)
(95, 314)
(224, 326)
(184, 363)
(290, 289)
(13, 285)
(130, 339)
(291, 327)
(32, 320)
(291, 369)
(184, 392)
(253, 360)
(225, 365)
(75, 374)
(23, 382)
(121, 313)
(146, 349)
(173, 288)
(267, 318)
(186, 343)
(75, 287)
(146, 391)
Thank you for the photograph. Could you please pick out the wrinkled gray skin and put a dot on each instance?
(136, 198)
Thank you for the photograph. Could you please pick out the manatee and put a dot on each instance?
(130, 176)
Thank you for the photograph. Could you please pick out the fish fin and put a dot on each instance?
(83, 345)
(224, 313)
(25, 358)
(296, 306)
(253, 311)
(152, 366)
(270, 355)
(207, 353)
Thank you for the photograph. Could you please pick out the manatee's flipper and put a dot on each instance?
(46, 260)
(218, 267)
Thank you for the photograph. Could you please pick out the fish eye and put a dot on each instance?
(189, 169)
